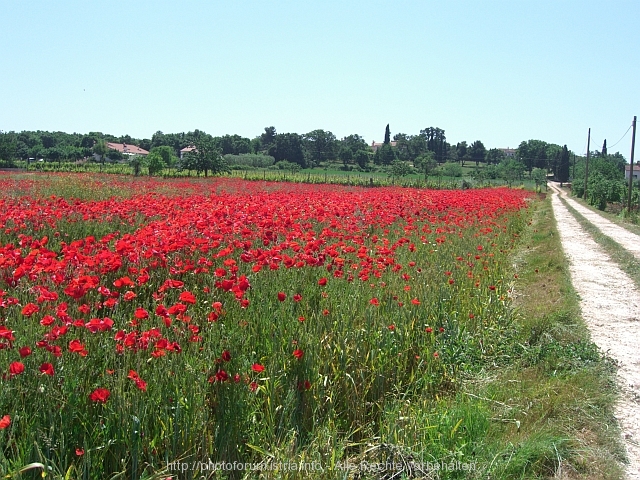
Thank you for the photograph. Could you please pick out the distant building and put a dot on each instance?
(186, 150)
(376, 145)
(509, 152)
(127, 149)
(636, 171)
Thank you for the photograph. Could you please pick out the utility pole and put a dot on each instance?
(586, 170)
(633, 144)
(573, 175)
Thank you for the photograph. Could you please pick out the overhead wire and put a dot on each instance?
(625, 134)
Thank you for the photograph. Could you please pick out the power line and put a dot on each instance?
(625, 134)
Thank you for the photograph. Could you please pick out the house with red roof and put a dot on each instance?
(127, 149)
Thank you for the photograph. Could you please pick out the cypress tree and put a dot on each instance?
(563, 171)
(387, 135)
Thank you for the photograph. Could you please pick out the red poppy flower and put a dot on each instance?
(100, 395)
(16, 368)
(84, 308)
(79, 452)
(322, 282)
(226, 356)
(5, 422)
(297, 297)
(303, 386)
(256, 367)
(415, 301)
(187, 297)
(47, 369)
(428, 330)
(24, 351)
(298, 354)
(129, 295)
(282, 296)
(29, 309)
(374, 301)
(76, 347)
(141, 313)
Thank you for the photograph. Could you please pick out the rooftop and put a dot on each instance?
(127, 149)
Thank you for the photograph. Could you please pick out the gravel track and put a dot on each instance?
(630, 241)
(610, 305)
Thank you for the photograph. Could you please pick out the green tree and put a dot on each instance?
(400, 169)
(52, 154)
(288, 146)
(320, 146)
(410, 147)
(353, 149)
(436, 142)
(533, 154)
(385, 155)
(387, 135)
(206, 157)
(136, 164)
(553, 153)
(268, 141)
(494, 156)
(426, 163)
(168, 155)
(8, 146)
(477, 152)
(100, 150)
(451, 169)
(511, 170)
(155, 162)
(539, 176)
(114, 155)
(462, 152)
(563, 168)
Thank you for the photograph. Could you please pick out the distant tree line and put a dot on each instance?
(401, 154)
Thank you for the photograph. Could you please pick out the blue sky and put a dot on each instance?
(498, 71)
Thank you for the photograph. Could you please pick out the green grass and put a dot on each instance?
(552, 408)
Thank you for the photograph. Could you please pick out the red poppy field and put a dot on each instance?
(146, 321)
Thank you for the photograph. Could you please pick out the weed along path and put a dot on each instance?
(610, 305)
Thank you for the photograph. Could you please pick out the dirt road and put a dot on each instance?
(610, 305)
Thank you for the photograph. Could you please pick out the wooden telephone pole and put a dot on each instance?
(586, 170)
(633, 145)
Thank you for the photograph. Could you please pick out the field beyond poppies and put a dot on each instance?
(145, 321)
